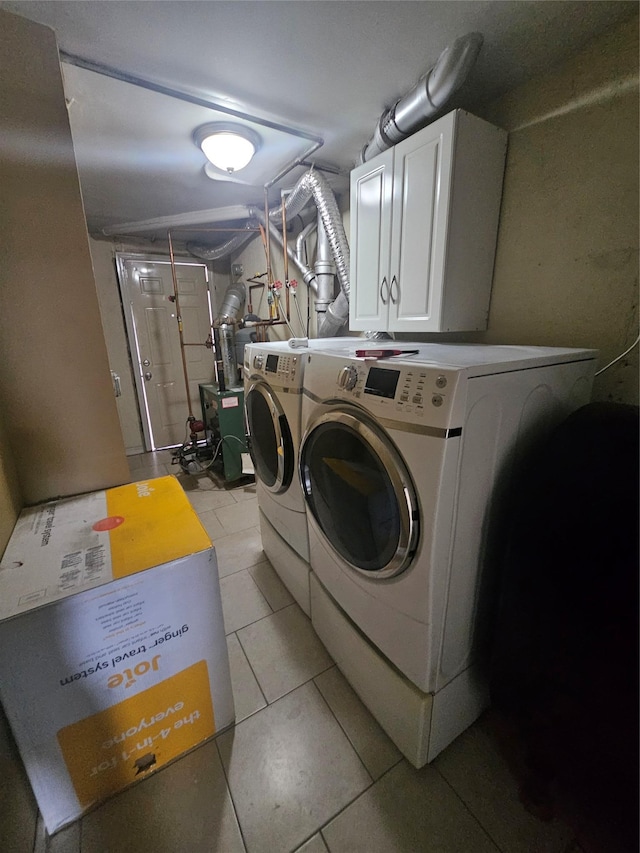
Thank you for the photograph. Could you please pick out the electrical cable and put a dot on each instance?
(217, 451)
(297, 304)
(622, 355)
(284, 316)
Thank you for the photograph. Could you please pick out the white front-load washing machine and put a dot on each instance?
(404, 465)
(273, 377)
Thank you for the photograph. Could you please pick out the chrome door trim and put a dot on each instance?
(276, 412)
(367, 429)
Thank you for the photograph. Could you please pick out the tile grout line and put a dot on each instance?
(266, 616)
(275, 610)
(244, 568)
(246, 657)
(469, 810)
(342, 728)
(355, 799)
(226, 781)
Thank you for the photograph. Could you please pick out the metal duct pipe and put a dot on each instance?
(234, 298)
(325, 271)
(428, 97)
(207, 253)
(302, 237)
(335, 316)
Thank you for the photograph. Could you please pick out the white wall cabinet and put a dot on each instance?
(424, 222)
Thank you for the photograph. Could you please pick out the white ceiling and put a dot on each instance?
(327, 69)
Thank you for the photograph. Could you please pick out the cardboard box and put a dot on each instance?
(113, 659)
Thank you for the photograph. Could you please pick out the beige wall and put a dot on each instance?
(566, 270)
(62, 431)
(567, 262)
(10, 495)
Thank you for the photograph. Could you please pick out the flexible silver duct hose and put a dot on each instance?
(207, 253)
(428, 97)
(313, 185)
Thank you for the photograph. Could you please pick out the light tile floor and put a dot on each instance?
(306, 767)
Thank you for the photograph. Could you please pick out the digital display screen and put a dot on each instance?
(382, 383)
(272, 364)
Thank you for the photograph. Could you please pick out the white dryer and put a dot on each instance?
(273, 377)
(404, 465)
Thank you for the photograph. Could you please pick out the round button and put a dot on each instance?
(437, 400)
(441, 382)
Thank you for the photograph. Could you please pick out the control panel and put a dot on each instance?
(277, 367)
(410, 389)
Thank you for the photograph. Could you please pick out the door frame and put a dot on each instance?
(137, 368)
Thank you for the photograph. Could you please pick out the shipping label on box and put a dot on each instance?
(107, 680)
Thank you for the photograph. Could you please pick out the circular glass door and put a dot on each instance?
(360, 493)
(271, 445)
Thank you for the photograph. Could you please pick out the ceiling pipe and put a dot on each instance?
(428, 97)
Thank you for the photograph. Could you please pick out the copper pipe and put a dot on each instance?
(264, 233)
(179, 318)
(268, 242)
(252, 287)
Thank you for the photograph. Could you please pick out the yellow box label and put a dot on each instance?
(109, 750)
(152, 522)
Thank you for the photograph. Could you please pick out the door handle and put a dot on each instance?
(394, 281)
(383, 286)
(148, 375)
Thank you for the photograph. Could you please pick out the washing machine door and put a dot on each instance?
(359, 491)
(271, 445)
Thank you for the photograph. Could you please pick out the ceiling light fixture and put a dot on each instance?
(230, 147)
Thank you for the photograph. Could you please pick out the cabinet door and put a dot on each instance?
(371, 219)
(422, 190)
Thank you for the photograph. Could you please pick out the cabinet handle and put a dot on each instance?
(394, 281)
(384, 286)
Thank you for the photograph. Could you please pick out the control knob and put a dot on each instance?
(258, 361)
(348, 377)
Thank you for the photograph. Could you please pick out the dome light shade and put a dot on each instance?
(230, 147)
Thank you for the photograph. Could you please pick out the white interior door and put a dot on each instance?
(146, 286)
